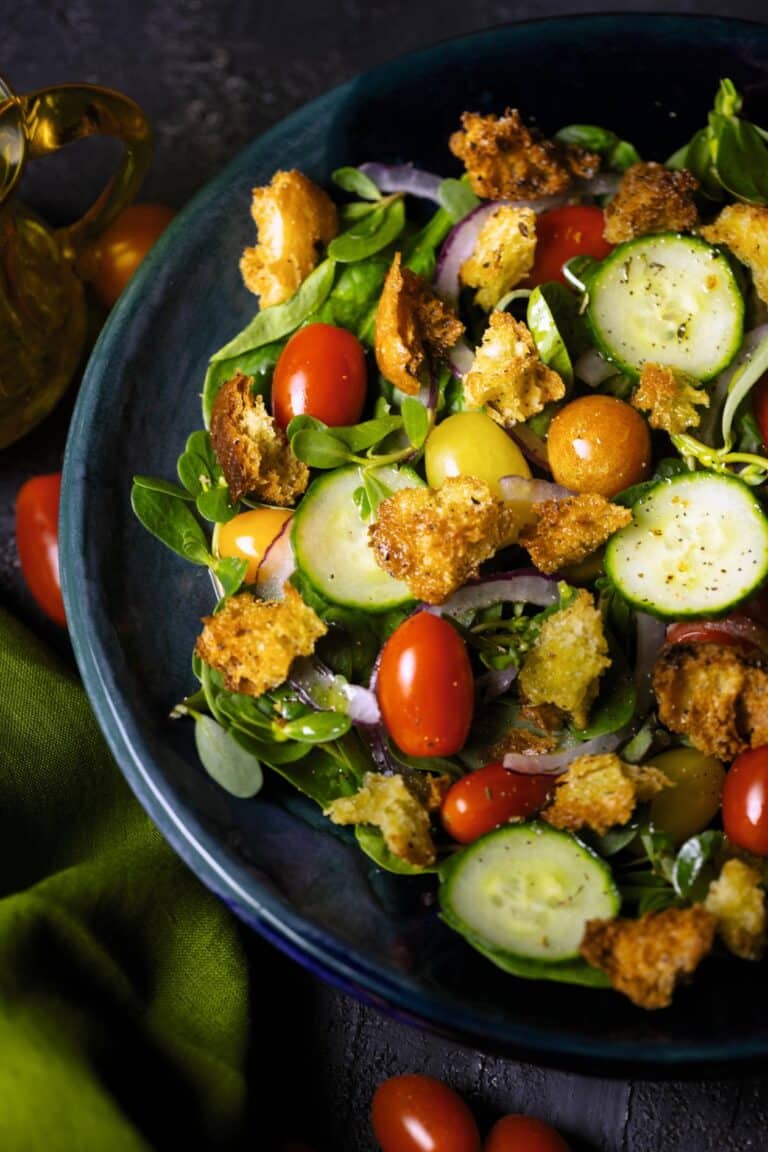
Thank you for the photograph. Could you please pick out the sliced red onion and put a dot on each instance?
(739, 626)
(457, 248)
(523, 586)
(495, 683)
(403, 178)
(278, 565)
(461, 358)
(593, 368)
(649, 640)
(604, 184)
(530, 764)
(321, 688)
(521, 490)
(533, 447)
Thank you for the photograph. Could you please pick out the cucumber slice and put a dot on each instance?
(330, 541)
(527, 891)
(670, 299)
(697, 546)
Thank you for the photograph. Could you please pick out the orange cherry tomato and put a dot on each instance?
(491, 796)
(249, 535)
(599, 444)
(416, 1113)
(524, 1134)
(37, 540)
(425, 687)
(118, 252)
(321, 372)
(745, 801)
(574, 230)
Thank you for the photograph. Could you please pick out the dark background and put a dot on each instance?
(211, 76)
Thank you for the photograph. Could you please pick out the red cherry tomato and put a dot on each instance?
(490, 796)
(524, 1134)
(737, 630)
(574, 230)
(425, 687)
(37, 540)
(420, 1114)
(118, 252)
(760, 408)
(321, 372)
(745, 801)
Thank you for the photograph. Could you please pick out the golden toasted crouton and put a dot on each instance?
(503, 254)
(402, 817)
(296, 220)
(567, 531)
(737, 901)
(651, 198)
(412, 323)
(435, 540)
(646, 958)
(600, 792)
(522, 742)
(253, 642)
(744, 229)
(253, 452)
(569, 657)
(669, 397)
(508, 376)
(715, 694)
(506, 160)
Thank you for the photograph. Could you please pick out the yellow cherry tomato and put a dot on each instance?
(471, 444)
(599, 444)
(247, 536)
(694, 800)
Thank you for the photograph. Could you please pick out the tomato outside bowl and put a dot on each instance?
(134, 608)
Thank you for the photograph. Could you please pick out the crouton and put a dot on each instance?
(508, 376)
(253, 642)
(567, 660)
(567, 531)
(651, 198)
(435, 540)
(507, 161)
(253, 452)
(503, 254)
(647, 958)
(402, 817)
(412, 324)
(744, 229)
(737, 901)
(715, 694)
(669, 397)
(522, 742)
(599, 792)
(296, 220)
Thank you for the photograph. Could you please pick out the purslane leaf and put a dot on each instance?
(227, 762)
(354, 181)
(370, 234)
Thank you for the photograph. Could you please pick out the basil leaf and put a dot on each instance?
(230, 572)
(457, 199)
(618, 153)
(695, 865)
(172, 522)
(319, 449)
(282, 319)
(369, 235)
(415, 420)
(355, 181)
(317, 727)
(155, 484)
(742, 161)
(234, 769)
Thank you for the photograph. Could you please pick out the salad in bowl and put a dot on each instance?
(483, 480)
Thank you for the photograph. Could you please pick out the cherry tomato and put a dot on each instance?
(599, 444)
(471, 444)
(37, 539)
(420, 1114)
(524, 1134)
(737, 630)
(574, 230)
(694, 801)
(491, 796)
(247, 536)
(118, 252)
(425, 687)
(760, 408)
(745, 801)
(321, 372)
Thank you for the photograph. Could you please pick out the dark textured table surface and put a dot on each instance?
(212, 75)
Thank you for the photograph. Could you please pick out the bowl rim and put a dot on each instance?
(98, 655)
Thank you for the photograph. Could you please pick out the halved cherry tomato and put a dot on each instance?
(491, 796)
(760, 408)
(321, 372)
(247, 536)
(573, 230)
(415, 1113)
(37, 540)
(745, 801)
(524, 1134)
(118, 252)
(425, 687)
(738, 629)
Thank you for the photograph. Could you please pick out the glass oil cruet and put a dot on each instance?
(42, 300)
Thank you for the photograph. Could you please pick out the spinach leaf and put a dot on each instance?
(354, 181)
(237, 771)
(333, 770)
(457, 199)
(618, 154)
(370, 234)
(695, 865)
(355, 295)
(171, 521)
(557, 328)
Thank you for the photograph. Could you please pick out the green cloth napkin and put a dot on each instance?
(123, 981)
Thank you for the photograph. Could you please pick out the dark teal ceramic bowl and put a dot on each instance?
(134, 608)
